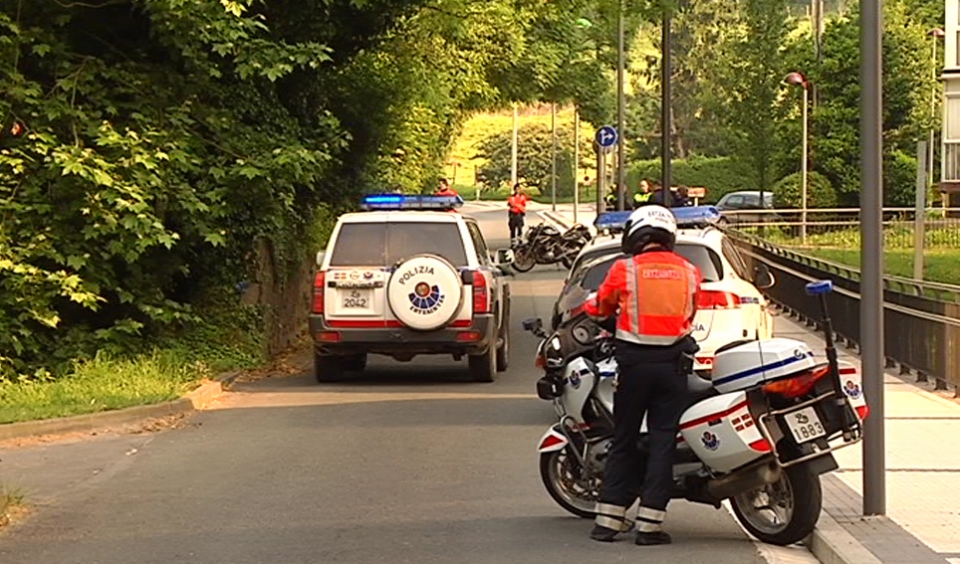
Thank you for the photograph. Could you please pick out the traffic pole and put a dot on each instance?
(871, 257)
(621, 148)
(665, 118)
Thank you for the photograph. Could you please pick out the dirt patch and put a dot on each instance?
(11, 508)
(293, 361)
(147, 426)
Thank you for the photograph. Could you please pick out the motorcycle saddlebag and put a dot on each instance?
(549, 387)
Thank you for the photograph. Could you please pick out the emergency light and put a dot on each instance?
(694, 216)
(409, 202)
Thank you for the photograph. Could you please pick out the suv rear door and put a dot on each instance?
(365, 254)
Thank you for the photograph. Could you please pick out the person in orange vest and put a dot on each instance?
(445, 189)
(516, 211)
(654, 293)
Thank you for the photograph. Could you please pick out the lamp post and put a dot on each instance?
(797, 78)
(621, 144)
(936, 34)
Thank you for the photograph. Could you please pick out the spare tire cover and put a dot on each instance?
(425, 292)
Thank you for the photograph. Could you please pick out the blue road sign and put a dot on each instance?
(606, 137)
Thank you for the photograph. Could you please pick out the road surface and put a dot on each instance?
(410, 464)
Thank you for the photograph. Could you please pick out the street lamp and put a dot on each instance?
(937, 34)
(798, 79)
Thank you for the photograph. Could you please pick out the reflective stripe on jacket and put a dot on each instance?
(654, 295)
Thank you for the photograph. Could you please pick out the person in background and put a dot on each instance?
(662, 196)
(643, 196)
(445, 189)
(516, 211)
(682, 198)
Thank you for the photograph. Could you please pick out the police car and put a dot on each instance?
(404, 278)
(731, 307)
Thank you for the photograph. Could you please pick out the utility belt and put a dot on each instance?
(680, 353)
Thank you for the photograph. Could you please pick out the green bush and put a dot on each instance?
(719, 175)
(820, 193)
(899, 180)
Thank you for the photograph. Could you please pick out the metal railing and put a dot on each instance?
(922, 335)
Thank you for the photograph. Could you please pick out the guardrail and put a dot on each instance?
(833, 238)
(922, 335)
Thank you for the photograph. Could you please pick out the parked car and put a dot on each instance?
(736, 207)
(731, 306)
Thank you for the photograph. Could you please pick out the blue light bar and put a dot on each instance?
(695, 216)
(409, 202)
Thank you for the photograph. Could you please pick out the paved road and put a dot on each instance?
(410, 464)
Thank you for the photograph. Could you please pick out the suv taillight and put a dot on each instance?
(717, 300)
(481, 293)
(318, 283)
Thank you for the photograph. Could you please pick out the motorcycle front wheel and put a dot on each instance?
(524, 259)
(562, 475)
(784, 512)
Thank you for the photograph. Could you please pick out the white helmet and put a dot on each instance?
(649, 224)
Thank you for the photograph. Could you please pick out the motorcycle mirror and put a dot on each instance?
(764, 278)
(532, 324)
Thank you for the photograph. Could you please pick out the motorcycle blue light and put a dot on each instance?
(686, 217)
(396, 202)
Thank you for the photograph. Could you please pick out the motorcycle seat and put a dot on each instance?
(698, 389)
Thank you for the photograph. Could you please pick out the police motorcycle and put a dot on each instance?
(546, 245)
(759, 434)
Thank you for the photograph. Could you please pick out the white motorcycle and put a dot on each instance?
(759, 434)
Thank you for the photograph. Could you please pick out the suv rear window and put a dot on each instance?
(385, 244)
(710, 265)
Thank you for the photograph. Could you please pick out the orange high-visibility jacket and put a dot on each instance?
(517, 203)
(656, 296)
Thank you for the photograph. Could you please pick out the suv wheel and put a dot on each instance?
(356, 363)
(503, 351)
(483, 367)
(328, 368)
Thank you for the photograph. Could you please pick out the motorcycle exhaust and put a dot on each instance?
(751, 477)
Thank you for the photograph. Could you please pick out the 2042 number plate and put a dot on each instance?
(356, 299)
(805, 425)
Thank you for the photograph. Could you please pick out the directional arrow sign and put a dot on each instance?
(606, 137)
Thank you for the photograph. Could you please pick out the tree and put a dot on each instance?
(752, 82)
(534, 159)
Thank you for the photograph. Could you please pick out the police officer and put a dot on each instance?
(653, 292)
(642, 197)
(516, 210)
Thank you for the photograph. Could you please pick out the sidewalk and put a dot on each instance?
(922, 461)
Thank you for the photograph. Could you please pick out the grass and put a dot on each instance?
(9, 501)
(942, 265)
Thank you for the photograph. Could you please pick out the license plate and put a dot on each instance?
(805, 425)
(356, 299)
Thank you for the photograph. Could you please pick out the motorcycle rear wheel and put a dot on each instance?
(524, 259)
(556, 471)
(793, 503)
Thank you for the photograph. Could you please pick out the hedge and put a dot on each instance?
(719, 175)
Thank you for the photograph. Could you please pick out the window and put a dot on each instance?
(734, 202)
(733, 257)
(385, 244)
(483, 253)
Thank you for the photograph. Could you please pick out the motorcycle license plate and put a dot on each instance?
(805, 425)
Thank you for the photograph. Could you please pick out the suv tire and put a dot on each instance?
(503, 351)
(356, 363)
(483, 367)
(328, 368)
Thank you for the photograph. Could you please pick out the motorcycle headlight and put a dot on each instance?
(552, 352)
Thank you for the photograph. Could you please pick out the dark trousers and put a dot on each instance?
(516, 225)
(658, 390)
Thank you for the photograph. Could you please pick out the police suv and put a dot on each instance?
(407, 277)
(731, 307)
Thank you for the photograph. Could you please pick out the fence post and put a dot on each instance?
(920, 211)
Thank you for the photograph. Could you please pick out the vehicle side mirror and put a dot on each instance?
(504, 257)
(533, 324)
(320, 257)
(763, 278)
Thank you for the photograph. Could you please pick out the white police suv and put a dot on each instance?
(409, 276)
(731, 307)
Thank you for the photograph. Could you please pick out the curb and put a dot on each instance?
(832, 544)
(192, 401)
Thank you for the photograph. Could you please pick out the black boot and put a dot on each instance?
(653, 538)
(603, 534)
